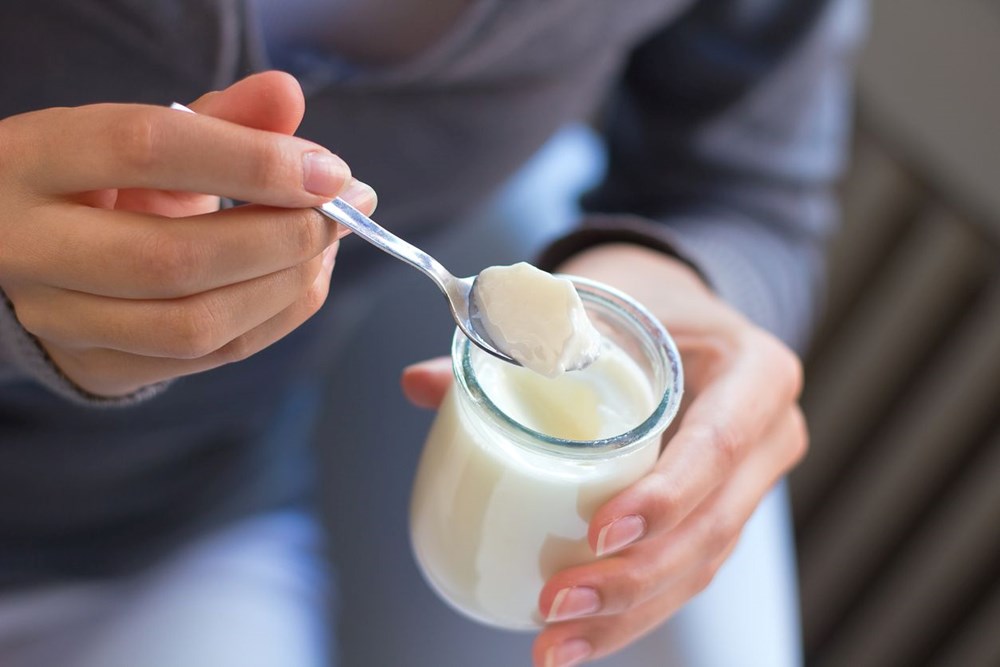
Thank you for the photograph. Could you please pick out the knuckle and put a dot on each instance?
(632, 588)
(796, 371)
(135, 138)
(718, 534)
(703, 577)
(168, 262)
(307, 234)
(271, 166)
(786, 367)
(723, 441)
(728, 445)
(238, 349)
(664, 500)
(190, 331)
(800, 434)
(315, 297)
(306, 273)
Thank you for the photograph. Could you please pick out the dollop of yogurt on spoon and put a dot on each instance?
(536, 318)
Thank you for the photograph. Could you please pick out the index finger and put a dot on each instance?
(71, 150)
(142, 256)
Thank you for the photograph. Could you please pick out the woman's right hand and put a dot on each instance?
(126, 272)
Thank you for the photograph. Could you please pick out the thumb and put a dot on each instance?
(271, 101)
(426, 383)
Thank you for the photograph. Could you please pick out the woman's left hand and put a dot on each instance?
(661, 541)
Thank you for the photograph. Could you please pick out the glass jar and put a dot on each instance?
(499, 507)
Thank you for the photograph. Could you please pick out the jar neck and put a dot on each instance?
(631, 326)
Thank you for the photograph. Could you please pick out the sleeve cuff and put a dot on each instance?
(600, 229)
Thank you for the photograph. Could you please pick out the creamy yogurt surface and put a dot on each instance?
(536, 318)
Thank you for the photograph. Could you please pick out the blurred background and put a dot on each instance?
(897, 505)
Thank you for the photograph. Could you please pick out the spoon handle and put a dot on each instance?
(359, 223)
(457, 291)
(384, 240)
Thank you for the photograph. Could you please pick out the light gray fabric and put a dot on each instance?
(252, 594)
(372, 32)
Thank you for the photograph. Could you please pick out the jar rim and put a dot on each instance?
(655, 336)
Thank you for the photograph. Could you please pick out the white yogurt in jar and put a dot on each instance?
(492, 518)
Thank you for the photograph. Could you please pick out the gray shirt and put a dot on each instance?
(725, 120)
(370, 32)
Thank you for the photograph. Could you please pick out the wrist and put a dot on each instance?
(634, 269)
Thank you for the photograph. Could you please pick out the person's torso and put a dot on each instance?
(436, 124)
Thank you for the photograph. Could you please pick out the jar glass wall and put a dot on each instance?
(516, 464)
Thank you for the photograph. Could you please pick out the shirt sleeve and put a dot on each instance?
(725, 135)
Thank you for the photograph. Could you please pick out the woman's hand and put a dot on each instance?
(662, 540)
(125, 272)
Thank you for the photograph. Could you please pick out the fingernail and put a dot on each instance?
(435, 364)
(619, 534)
(359, 194)
(323, 173)
(569, 653)
(572, 603)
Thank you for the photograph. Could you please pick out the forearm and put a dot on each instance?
(771, 277)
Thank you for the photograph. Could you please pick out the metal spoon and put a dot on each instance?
(458, 291)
